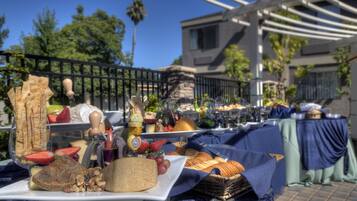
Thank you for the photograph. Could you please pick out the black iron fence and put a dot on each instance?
(109, 86)
(214, 87)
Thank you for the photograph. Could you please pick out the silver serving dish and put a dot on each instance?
(333, 116)
(298, 116)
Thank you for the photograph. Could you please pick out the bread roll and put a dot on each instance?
(185, 124)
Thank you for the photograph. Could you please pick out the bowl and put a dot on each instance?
(333, 116)
(298, 116)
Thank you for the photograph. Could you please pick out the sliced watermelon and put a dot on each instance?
(69, 151)
(41, 158)
(52, 118)
(64, 116)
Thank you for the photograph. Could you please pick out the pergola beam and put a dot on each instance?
(258, 5)
(298, 29)
(317, 19)
(307, 24)
(271, 29)
(326, 12)
(343, 6)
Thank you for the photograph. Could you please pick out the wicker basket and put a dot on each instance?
(224, 188)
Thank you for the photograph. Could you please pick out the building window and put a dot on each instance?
(318, 86)
(204, 38)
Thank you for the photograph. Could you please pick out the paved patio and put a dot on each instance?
(339, 191)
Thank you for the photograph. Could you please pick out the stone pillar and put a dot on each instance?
(181, 82)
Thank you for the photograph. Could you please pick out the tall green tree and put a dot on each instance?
(46, 33)
(285, 48)
(97, 37)
(177, 61)
(4, 33)
(237, 64)
(136, 12)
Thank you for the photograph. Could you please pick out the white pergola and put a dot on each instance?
(260, 15)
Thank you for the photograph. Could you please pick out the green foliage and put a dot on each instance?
(177, 61)
(302, 71)
(16, 76)
(4, 141)
(237, 64)
(285, 47)
(290, 93)
(136, 12)
(96, 37)
(4, 33)
(153, 104)
(341, 57)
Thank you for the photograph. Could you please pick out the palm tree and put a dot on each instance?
(136, 12)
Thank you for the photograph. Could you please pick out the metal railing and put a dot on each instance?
(214, 87)
(107, 86)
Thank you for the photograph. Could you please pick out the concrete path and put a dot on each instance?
(339, 191)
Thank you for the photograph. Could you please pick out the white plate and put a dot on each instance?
(172, 134)
(20, 191)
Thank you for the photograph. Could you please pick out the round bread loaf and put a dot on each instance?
(185, 124)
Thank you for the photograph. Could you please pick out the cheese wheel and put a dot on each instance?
(130, 175)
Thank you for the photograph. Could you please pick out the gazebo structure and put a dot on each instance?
(261, 16)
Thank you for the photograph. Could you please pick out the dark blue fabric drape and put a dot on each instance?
(260, 168)
(281, 112)
(322, 142)
(11, 173)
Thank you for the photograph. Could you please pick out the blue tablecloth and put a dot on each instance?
(266, 140)
(10, 173)
(281, 112)
(260, 168)
(321, 142)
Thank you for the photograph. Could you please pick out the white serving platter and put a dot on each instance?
(172, 134)
(20, 191)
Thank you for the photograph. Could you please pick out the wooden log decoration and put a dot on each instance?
(68, 86)
(94, 119)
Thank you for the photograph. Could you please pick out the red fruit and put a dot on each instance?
(159, 160)
(64, 116)
(167, 163)
(170, 128)
(52, 118)
(42, 158)
(69, 151)
(143, 147)
(157, 145)
(161, 169)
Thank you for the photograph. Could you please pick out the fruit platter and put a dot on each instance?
(102, 165)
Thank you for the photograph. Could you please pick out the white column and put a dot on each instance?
(354, 95)
(256, 57)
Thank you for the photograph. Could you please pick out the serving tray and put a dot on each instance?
(173, 134)
(20, 190)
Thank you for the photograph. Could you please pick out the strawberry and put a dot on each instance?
(157, 145)
(143, 147)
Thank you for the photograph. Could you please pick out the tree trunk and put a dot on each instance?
(133, 47)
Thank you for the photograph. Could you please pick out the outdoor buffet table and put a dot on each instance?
(318, 151)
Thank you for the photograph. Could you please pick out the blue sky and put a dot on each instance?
(159, 35)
